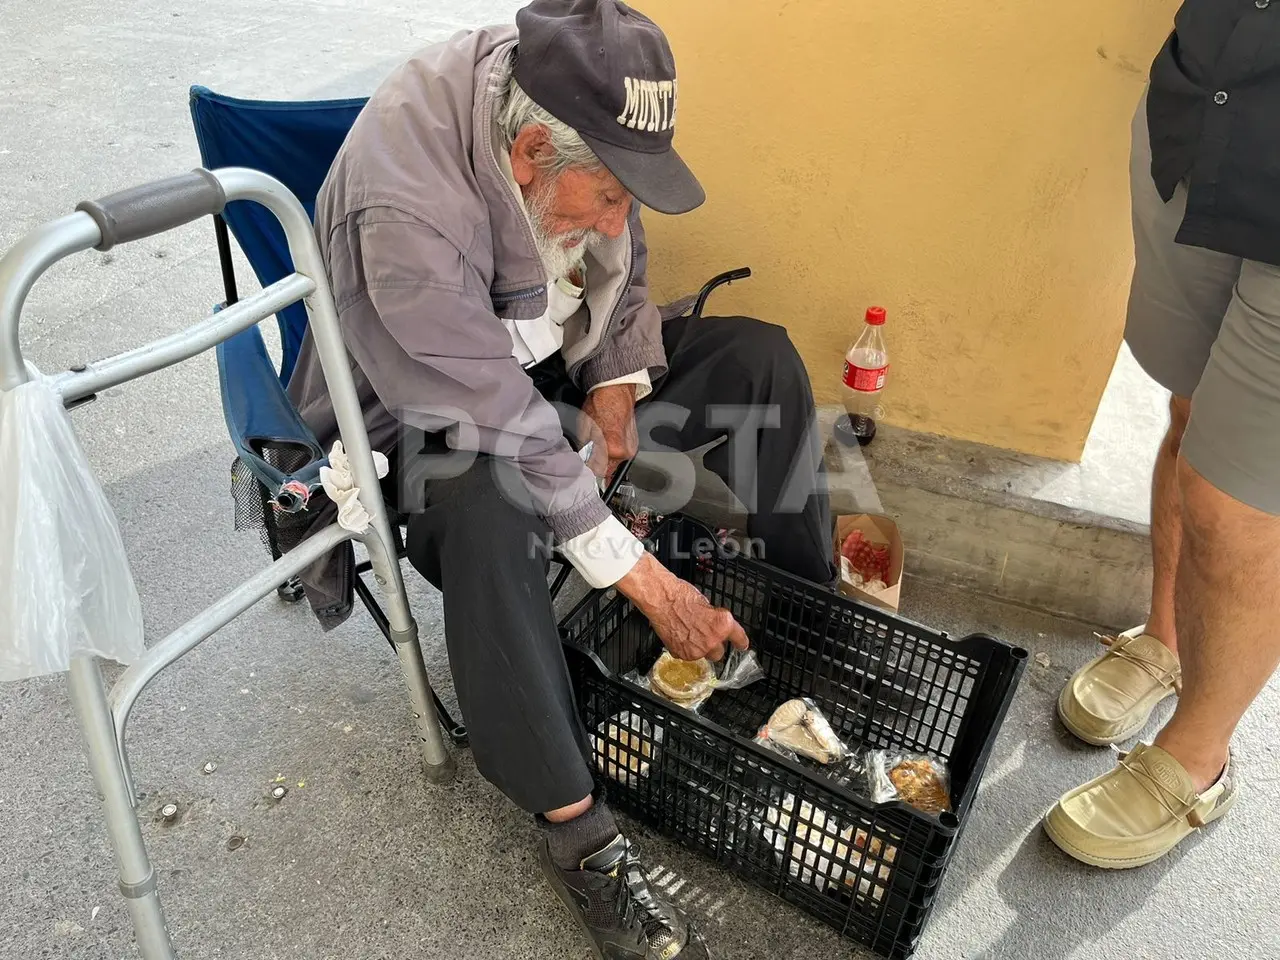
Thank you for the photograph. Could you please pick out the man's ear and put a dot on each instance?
(531, 145)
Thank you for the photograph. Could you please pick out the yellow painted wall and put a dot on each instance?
(964, 164)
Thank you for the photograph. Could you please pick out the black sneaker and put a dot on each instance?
(612, 901)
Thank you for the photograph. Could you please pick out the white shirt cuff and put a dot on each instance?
(604, 554)
(644, 386)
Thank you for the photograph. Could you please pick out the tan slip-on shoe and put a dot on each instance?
(1137, 812)
(1111, 698)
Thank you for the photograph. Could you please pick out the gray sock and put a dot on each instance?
(574, 840)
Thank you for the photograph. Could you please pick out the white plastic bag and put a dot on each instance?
(65, 585)
(823, 852)
(626, 747)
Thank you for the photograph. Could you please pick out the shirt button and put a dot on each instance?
(1220, 97)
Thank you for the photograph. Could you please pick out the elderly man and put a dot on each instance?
(1204, 321)
(482, 235)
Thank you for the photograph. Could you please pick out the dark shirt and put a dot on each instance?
(1214, 112)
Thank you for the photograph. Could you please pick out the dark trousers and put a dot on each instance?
(487, 555)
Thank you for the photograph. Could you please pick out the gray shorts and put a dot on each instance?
(1206, 325)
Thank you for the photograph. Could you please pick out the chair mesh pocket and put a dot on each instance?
(280, 532)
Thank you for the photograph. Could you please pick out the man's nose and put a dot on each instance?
(614, 220)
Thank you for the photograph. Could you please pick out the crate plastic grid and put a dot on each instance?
(870, 872)
(879, 685)
(859, 870)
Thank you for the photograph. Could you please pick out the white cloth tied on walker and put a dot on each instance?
(340, 485)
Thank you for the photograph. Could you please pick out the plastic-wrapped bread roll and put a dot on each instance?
(798, 725)
(922, 781)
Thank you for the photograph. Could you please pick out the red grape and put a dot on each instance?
(871, 560)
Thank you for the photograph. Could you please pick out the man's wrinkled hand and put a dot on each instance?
(686, 622)
(609, 419)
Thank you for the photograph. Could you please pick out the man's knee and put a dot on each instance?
(1220, 532)
(764, 339)
(480, 516)
(767, 351)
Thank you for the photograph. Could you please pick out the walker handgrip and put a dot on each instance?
(152, 208)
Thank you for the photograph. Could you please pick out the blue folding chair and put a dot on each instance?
(278, 457)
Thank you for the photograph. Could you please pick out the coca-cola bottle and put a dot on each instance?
(865, 368)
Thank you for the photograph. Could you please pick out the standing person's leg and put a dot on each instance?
(1226, 598)
(1228, 586)
(1176, 304)
(488, 556)
(1228, 607)
(742, 378)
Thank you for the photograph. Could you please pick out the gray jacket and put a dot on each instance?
(427, 248)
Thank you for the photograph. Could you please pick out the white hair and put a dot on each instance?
(514, 110)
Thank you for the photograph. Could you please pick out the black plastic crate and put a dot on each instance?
(869, 870)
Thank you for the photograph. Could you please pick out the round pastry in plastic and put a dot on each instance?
(682, 681)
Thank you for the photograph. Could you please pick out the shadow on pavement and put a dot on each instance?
(1062, 904)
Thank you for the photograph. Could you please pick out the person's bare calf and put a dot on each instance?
(1166, 526)
(1228, 605)
(1225, 608)
(565, 814)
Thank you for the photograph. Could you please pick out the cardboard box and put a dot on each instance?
(879, 530)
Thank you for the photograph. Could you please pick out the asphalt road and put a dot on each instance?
(362, 859)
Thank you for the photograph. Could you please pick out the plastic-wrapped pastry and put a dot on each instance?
(922, 781)
(686, 682)
(798, 725)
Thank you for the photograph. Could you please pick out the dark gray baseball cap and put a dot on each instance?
(607, 71)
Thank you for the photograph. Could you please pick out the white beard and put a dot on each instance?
(557, 259)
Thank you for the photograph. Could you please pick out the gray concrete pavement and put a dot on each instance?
(362, 859)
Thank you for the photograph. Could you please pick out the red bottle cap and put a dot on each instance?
(875, 316)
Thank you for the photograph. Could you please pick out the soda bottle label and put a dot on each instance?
(864, 379)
